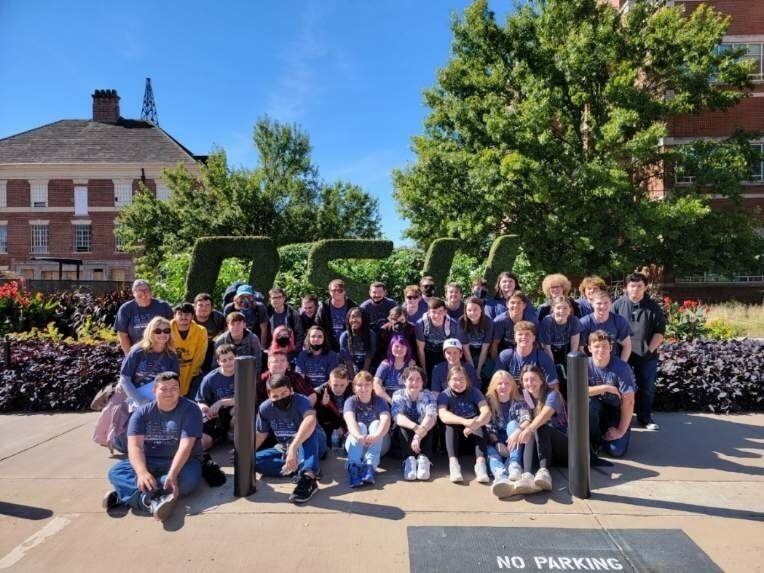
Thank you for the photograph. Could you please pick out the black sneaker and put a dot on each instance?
(306, 488)
(597, 462)
(212, 473)
(162, 506)
(110, 500)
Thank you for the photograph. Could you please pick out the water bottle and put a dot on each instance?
(336, 441)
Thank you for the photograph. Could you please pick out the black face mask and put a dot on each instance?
(282, 341)
(479, 293)
(429, 290)
(316, 347)
(283, 403)
(398, 327)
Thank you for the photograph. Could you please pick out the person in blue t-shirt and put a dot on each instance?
(453, 352)
(504, 324)
(464, 412)
(389, 376)
(615, 325)
(589, 285)
(316, 360)
(525, 352)
(506, 285)
(164, 453)
(478, 332)
(431, 330)
(559, 333)
(358, 343)
(134, 315)
(330, 403)
(333, 311)
(378, 306)
(611, 399)
(215, 397)
(300, 442)
(368, 420)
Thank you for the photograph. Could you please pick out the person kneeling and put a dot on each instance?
(164, 453)
(300, 442)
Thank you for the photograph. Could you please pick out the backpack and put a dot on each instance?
(113, 420)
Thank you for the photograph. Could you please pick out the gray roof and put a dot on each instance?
(85, 141)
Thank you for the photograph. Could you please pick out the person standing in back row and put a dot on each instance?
(333, 311)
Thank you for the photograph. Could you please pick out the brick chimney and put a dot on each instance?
(106, 106)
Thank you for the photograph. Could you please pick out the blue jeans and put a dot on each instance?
(495, 460)
(359, 454)
(645, 372)
(270, 460)
(604, 415)
(122, 476)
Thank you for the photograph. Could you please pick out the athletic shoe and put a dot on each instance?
(409, 468)
(526, 484)
(481, 472)
(543, 479)
(110, 500)
(515, 471)
(502, 487)
(162, 506)
(649, 424)
(354, 476)
(455, 471)
(306, 488)
(597, 462)
(368, 474)
(423, 468)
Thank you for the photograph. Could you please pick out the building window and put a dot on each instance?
(118, 275)
(163, 192)
(754, 51)
(123, 192)
(39, 239)
(39, 193)
(3, 193)
(757, 169)
(119, 244)
(83, 239)
(80, 200)
(3, 239)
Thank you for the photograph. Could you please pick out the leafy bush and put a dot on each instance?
(20, 311)
(83, 315)
(397, 271)
(719, 376)
(49, 375)
(689, 320)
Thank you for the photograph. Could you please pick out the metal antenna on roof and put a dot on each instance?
(149, 111)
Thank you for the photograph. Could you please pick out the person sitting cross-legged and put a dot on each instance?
(164, 453)
(300, 441)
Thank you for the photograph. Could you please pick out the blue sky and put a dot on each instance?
(350, 73)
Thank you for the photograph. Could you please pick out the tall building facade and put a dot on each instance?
(62, 186)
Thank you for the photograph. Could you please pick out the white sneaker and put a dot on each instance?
(455, 471)
(515, 471)
(423, 468)
(543, 479)
(502, 487)
(409, 468)
(481, 472)
(526, 484)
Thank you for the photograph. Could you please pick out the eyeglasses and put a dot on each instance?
(162, 330)
(337, 289)
(411, 297)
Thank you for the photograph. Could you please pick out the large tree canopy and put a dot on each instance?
(552, 127)
(283, 198)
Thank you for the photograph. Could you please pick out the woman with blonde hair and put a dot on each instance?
(553, 286)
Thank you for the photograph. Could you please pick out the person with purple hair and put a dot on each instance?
(389, 376)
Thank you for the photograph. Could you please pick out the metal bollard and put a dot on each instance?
(578, 425)
(245, 378)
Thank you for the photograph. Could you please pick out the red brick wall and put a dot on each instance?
(61, 193)
(747, 15)
(17, 192)
(150, 183)
(100, 193)
(748, 115)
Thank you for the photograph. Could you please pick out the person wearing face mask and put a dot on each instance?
(316, 360)
(480, 289)
(283, 341)
(299, 441)
(427, 285)
(278, 364)
(254, 311)
(377, 306)
(281, 314)
(397, 325)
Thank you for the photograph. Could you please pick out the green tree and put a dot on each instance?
(550, 127)
(283, 198)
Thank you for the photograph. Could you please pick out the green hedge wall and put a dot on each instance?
(209, 252)
(437, 262)
(322, 252)
(501, 257)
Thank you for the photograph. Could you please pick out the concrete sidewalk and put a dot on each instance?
(701, 474)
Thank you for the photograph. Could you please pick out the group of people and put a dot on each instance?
(483, 374)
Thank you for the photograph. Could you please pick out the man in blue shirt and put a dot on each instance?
(164, 453)
(134, 315)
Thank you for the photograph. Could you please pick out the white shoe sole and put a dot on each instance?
(502, 488)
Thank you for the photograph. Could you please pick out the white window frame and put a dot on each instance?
(82, 235)
(3, 193)
(38, 194)
(118, 246)
(80, 200)
(163, 192)
(39, 230)
(756, 77)
(3, 236)
(123, 192)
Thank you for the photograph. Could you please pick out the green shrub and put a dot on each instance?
(437, 262)
(501, 257)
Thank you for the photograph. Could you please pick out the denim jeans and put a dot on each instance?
(645, 371)
(495, 460)
(269, 461)
(122, 476)
(359, 454)
(602, 416)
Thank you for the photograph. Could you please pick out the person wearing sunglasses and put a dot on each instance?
(154, 354)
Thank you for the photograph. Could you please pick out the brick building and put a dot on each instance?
(63, 184)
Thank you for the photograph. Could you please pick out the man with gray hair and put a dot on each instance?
(134, 315)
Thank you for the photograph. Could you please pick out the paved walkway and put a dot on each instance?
(701, 474)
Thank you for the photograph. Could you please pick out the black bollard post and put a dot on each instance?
(244, 431)
(578, 425)
(7, 349)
